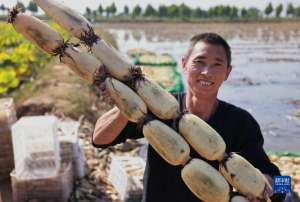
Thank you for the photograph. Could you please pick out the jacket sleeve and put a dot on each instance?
(131, 131)
(252, 150)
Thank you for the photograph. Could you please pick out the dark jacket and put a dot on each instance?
(241, 133)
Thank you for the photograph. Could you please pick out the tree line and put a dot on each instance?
(182, 11)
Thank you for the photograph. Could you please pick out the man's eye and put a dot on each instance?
(199, 61)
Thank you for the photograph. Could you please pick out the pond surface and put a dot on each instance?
(266, 75)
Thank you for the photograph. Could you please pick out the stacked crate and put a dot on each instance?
(39, 174)
(36, 147)
(161, 68)
(50, 189)
(7, 118)
(126, 175)
(71, 149)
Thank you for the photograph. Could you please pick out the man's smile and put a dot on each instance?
(205, 82)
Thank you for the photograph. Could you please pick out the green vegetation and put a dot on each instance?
(32, 7)
(19, 59)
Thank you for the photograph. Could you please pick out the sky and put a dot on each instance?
(80, 5)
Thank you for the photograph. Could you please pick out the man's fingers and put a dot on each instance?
(252, 198)
(268, 192)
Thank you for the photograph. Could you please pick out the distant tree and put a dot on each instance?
(2, 7)
(126, 10)
(21, 6)
(100, 9)
(88, 11)
(278, 10)
(233, 12)
(149, 11)
(184, 11)
(32, 7)
(297, 11)
(162, 11)
(194, 13)
(211, 12)
(269, 9)
(108, 10)
(290, 10)
(198, 13)
(244, 13)
(220, 11)
(113, 8)
(94, 14)
(253, 13)
(226, 11)
(137, 10)
(173, 11)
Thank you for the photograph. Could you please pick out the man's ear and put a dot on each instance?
(183, 63)
(229, 68)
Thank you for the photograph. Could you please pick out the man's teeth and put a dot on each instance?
(205, 83)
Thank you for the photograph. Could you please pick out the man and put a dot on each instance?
(206, 66)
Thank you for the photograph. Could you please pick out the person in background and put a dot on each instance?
(206, 65)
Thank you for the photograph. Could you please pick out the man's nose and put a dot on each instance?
(205, 69)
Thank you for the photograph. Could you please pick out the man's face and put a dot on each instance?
(206, 69)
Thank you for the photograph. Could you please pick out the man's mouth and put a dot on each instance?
(205, 82)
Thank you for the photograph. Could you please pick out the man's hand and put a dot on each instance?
(268, 192)
(269, 188)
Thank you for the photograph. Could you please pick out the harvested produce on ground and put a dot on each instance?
(150, 92)
(134, 52)
(205, 181)
(167, 142)
(243, 176)
(202, 137)
(130, 104)
(36, 31)
(150, 59)
(166, 76)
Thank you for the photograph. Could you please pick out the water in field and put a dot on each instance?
(266, 75)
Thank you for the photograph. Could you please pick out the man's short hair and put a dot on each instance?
(211, 38)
